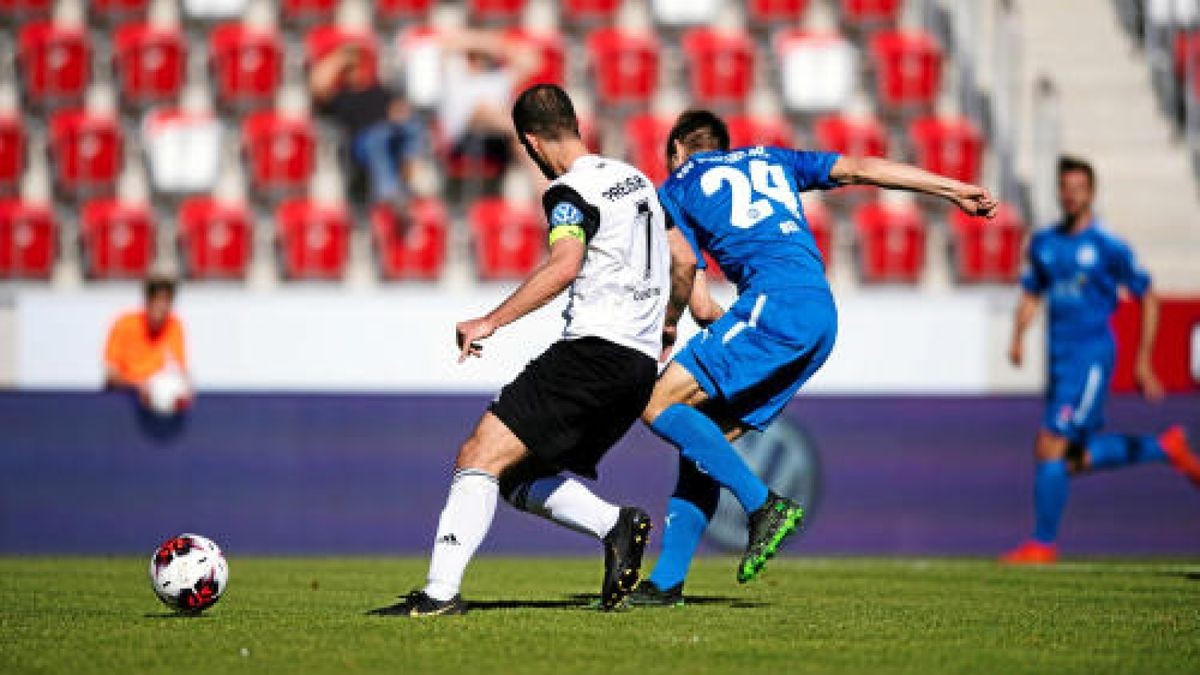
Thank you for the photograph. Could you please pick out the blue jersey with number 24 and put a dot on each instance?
(743, 207)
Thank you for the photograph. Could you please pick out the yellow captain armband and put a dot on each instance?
(568, 231)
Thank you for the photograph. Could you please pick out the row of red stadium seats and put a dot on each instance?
(247, 64)
(854, 13)
(215, 240)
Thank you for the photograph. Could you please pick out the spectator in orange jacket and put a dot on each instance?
(146, 343)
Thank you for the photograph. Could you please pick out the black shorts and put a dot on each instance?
(572, 403)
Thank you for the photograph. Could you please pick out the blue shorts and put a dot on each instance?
(753, 360)
(1077, 389)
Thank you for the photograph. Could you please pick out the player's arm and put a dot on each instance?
(1027, 311)
(972, 199)
(1143, 366)
(683, 275)
(549, 279)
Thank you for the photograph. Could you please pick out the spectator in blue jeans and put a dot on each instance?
(384, 137)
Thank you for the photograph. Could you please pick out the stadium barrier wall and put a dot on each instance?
(294, 473)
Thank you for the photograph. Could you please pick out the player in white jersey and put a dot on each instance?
(610, 245)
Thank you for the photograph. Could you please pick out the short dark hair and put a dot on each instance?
(698, 130)
(546, 111)
(1067, 164)
(159, 283)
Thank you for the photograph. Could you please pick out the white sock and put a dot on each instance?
(570, 504)
(464, 523)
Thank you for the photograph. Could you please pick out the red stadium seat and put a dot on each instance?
(987, 250)
(395, 11)
(593, 12)
(746, 130)
(851, 136)
(118, 238)
(325, 39)
(821, 225)
(55, 63)
(891, 243)
(313, 239)
(646, 143)
(307, 12)
(87, 152)
(509, 239)
(1187, 60)
(149, 62)
(27, 239)
(871, 13)
(772, 13)
(552, 51)
(12, 153)
(722, 66)
(118, 11)
(907, 69)
(625, 66)
(949, 146)
(496, 11)
(247, 64)
(19, 11)
(215, 238)
(280, 151)
(415, 249)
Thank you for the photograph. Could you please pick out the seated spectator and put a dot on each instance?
(383, 135)
(145, 353)
(481, 70)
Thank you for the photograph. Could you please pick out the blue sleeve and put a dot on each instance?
(676, 218)
(1128, 272)
(1034, 278)
(811, 169)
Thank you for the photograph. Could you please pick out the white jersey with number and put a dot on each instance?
(622, 290)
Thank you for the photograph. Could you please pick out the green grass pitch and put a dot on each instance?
(802, 616)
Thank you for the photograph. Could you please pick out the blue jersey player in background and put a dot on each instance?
(1079, 268)
(743, 208)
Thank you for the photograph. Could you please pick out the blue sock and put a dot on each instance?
(1112, 451)
(700, 440)
(1050, 488)
(688, 513)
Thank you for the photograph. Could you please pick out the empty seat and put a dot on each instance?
(552, 51)
(118, 238)
(27, 239)
(307, 12)
(183, 151)
(625, 66)
(721, 66)
(323, 40)
(866, 14)
(819, 71)
(12, 153)
(746, 130)
(280, 152)
(948, 146)
(395, 11)
(214, 10)
(771, 13)
(419, 51)
(987, 250)
(646, 145)
(19, 11)
(118, 11)
(508, 238)
(215, 238)
(820, 223)
(1187, 61)
(859, 136)
(675, 13)
(247, 64)
(149, 62)
(414, 248)
(87, 152)
(891, 242)
(590, 12)
(496, 11)
(908, 68)
(313, 239)
(54, 62)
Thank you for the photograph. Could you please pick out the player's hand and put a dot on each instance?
(469, 333)
(1147, 381)
(669, 335)
(1016, 353)
(976, 201)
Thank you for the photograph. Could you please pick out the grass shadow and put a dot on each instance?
(172, 615)
(714, 600)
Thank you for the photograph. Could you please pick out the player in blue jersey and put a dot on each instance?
(743, 208)
(1078, 268)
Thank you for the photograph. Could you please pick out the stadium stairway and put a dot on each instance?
(1147, 191)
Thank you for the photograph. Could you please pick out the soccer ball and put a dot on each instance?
(166, 392)
(189, 573)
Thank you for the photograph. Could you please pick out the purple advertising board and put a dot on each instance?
(294, 473)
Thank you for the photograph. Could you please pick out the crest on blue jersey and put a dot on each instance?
(1086, 255)
(565, 213)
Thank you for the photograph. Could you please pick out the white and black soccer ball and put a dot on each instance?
(167, 392)
(189, 573)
